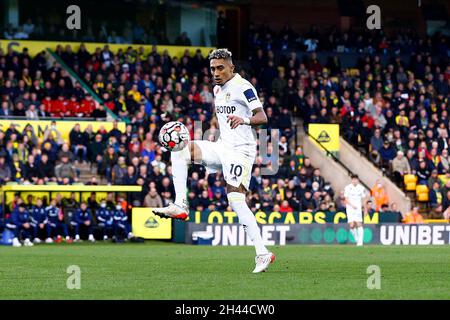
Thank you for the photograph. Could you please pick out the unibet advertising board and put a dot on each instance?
(282, 234)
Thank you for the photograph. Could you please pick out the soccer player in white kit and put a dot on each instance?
(237, 109)
(355, 194)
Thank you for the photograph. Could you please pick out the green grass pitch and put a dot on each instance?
(159, 270)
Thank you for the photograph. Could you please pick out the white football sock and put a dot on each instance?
(360, 231)
(180, 162)
(354, 234)
(248, 220)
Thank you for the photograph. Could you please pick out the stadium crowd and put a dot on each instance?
(30, 89)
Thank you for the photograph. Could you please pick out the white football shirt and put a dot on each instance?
(236, 97)
(355, 195)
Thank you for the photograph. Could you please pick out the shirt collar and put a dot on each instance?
(234, 78)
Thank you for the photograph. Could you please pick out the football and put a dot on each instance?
(174, 136)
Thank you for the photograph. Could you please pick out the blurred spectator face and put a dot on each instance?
(130, 170)
(280, 183)
(436, 185)
(135, 161)
(83, 206)
(315, 186)
(165, 182)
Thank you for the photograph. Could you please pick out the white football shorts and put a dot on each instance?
(235, 165)
(354, 214)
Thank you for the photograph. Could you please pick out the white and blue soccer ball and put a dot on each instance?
(174, 136)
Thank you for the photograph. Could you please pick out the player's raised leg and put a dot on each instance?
(236, 199)
(180, 161)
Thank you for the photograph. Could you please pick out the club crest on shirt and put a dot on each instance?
(227, 97)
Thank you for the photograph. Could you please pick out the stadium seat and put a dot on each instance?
(410, 181)
(422, 193)
(353, 72)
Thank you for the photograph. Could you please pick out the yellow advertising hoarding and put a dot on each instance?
(147, 225)
(326, 134)
(34, 47)
(63, 126)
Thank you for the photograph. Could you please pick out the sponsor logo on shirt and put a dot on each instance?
(225, 109)
(250, 95)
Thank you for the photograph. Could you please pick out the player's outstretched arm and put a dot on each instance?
(259, 117)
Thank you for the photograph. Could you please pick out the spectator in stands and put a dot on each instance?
(119, 171)
(400, 167)
(153, 199)
(413, 217)
(30, 170)
(423, 173)
(376, 142)
(435, 194)
(433, 178)
(65, 172)
(79, 142)
(387, 154)
(46, 170)
(52, 133)
(379, 194)
(5, 170)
